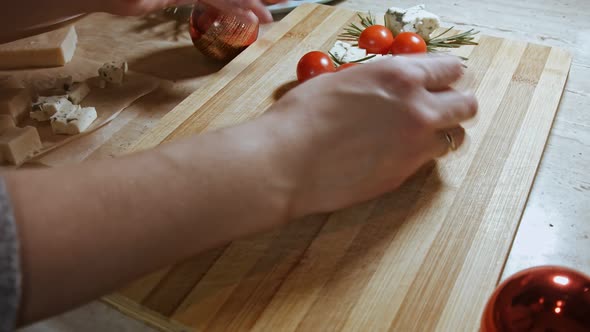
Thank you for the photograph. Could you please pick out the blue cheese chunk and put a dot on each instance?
(345, 52)
(354, 54)
(73, 122)
(415, 19)
(339, 50)
(113, 72)
(46, 107)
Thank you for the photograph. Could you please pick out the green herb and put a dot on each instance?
(339, 63)
(352, 32)
(463, 39)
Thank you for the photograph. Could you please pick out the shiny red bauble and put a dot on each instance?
(546, 298)
(219, 36)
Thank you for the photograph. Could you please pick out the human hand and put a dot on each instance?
(350, 136)
(248, 10)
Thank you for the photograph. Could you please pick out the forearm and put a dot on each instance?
(87, 229)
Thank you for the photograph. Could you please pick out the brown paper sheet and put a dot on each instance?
(158, 47)
(109, 102)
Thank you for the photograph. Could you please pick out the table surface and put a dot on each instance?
(555, 227)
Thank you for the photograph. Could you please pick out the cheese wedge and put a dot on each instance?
(51, 49)
(19, 144)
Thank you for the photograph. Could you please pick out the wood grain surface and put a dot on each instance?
(425, 257)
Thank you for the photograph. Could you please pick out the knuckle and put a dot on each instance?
(426, 119)
(404, 73)
(445, 115)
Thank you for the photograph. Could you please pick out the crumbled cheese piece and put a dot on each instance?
(415, 19)
(78, 91)
(345, 52)
(113, 72)
(19, 144)
(339, 50)
(354, 54)
(46, 107)
(74, 122)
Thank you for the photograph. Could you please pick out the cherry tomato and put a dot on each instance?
(376, 39)
(313, 64)
(408, 43)
(346, 65)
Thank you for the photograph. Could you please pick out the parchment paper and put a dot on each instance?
(109, 102)
(157, 47)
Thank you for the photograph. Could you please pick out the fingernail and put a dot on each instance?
(268, 18)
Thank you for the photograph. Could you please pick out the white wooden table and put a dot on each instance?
(555, 227)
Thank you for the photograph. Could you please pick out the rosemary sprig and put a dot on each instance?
(352, 32)
(340, 63)
(364, 59)
(334, 58)
(455, 41)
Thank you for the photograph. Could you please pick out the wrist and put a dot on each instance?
(286, 147)
(265, 154)
(238, 171)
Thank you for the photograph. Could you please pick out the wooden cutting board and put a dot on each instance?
(426, 257)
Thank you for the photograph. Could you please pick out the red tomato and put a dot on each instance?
(376, 39)
(408, 43)
(346, 65)
(313, 64)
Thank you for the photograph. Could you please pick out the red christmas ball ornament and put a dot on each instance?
(546, 298)
(220, 36)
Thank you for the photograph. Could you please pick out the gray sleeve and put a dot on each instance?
(9, 264)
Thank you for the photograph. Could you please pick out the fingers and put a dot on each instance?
(244, 15)
(450, 108)
(448, 141)
(439, 71)
(180, 3)
(248, 11)
(260, 10)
